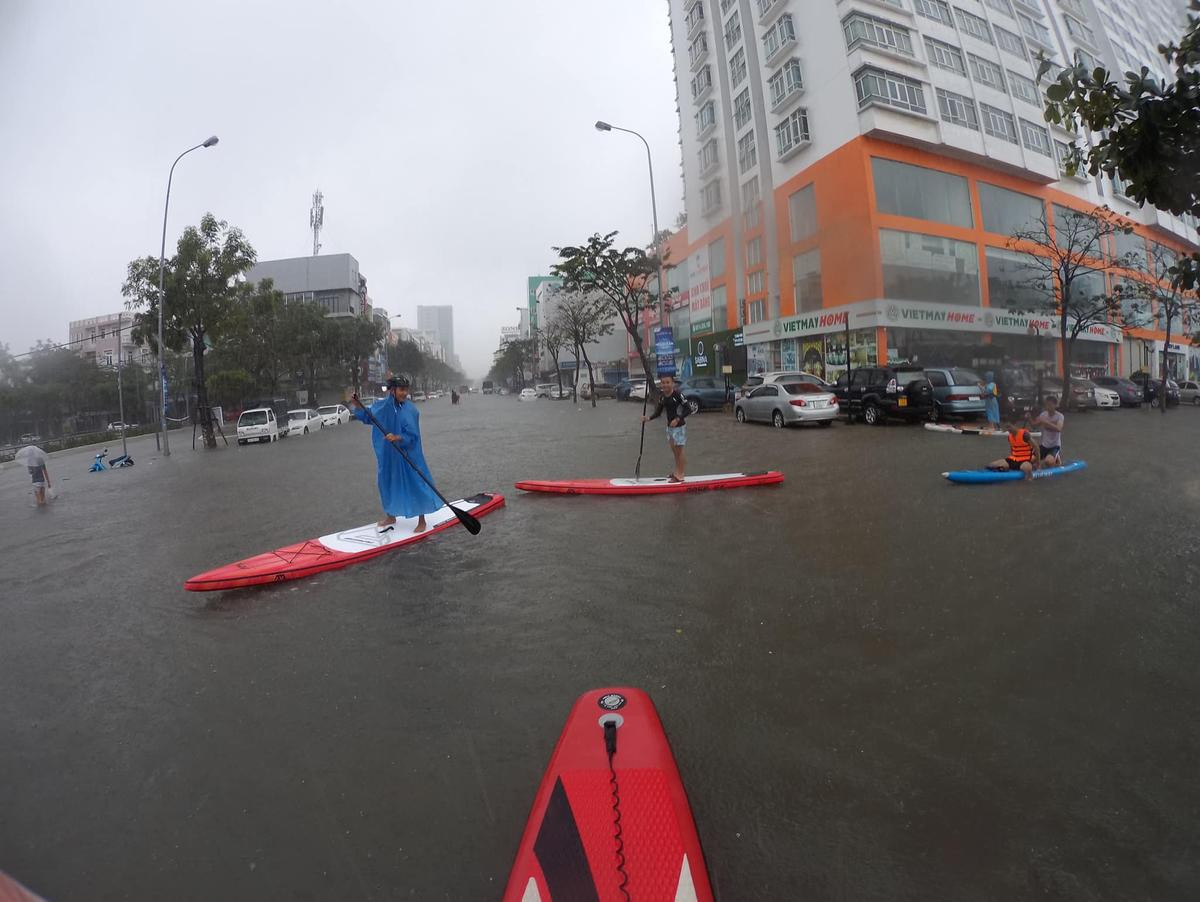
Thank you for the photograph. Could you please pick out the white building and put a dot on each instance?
(866, 160)
(105, 339)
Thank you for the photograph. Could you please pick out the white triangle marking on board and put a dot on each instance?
(686, 890)
(531, 893)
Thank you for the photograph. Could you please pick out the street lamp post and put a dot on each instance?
(162, 258)
(602, 126)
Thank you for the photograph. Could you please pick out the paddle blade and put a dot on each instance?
(469, 523)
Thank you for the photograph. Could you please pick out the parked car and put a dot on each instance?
(603, 390)
(1129, 393)
(878, 392)
(780, 376)
(706, 392)
(334, 415)
(257, 425)
(528, 394)
(956, 392)
(786, 404)
(29, 438)
(118, 426)
(419, 396)
(304, 421)
(1189, 392)
(1101, 397)
(1152, 389)
(626, 385)
(637, 391)
(1083, 392)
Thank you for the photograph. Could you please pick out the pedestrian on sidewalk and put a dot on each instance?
(677, 410)
(401, 491)
(34, 459)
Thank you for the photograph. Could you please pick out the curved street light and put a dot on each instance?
(162, 251)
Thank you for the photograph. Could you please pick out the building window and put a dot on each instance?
(957, 109)
(1086, 60)
(706, 118)
(878, 86)
(733, 31)
(695, 16)
(920, 267)
(1133, 246)
(1000, 6)
(108, 358)
(1014, 279)
(945, 56)
(710, 196)
(998, 123)
(701, 81)
(737, 67)
(1076, 7)
(806, 281)
(914, 191)
(792, 133)
(756, 311)
(1023, 88)
(1079, 31)
(1034, 30)
(786, 82)
(986, 72)
(741, 109)
(1007, 212)
(720, 309)
(751, 194)
(859, 28)
(754, 282)
(937, 10)
(781, 34)
(754, 252)
(802, 213)
(716, 259)
(1035, 137)
(1010, 42)
(708, 155)
(725, 5)
(973, 25)
(1063, 152)
(747, 152)
(699, 49)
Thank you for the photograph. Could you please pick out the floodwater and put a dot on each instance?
(877, 685)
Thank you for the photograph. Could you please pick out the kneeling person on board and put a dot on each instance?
(1051, 420)
(401, 491)
(1021, 453)
(677, 409)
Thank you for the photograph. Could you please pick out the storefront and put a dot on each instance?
(705, 355)
(923, 334)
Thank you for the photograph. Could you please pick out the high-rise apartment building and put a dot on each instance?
(439, 321)
(864, 162)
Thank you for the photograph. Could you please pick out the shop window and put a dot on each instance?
(1015, 280)
(806, 280)
(802, 213)
(1005, 212)
(920, 193)
(919, 267)
(716, 258)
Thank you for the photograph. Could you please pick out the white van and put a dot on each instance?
(258, 425)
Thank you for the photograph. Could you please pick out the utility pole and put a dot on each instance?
(316, 219)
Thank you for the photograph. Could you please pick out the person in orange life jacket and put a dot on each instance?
(677, 411)
(1022, 453)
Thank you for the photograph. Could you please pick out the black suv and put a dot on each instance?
(1152, 389)
(878, 392)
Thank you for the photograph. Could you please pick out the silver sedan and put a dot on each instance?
(788, 403)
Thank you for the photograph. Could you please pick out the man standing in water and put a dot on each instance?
(677, 410)
(401, 491)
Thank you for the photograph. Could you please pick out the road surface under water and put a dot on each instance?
(877, 685)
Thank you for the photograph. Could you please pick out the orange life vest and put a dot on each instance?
(1020, 446)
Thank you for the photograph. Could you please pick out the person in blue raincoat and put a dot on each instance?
(401, 491)
(991, 399)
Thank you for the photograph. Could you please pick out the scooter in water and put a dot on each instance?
(98, 464)
(122, 460)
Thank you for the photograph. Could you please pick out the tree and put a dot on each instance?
(357, 338)
(554, 339)
(1163, 299)
(1062, 267)
(509, 360)
(1146, 131)
(583, 319)
(623, 278)
(201, 294)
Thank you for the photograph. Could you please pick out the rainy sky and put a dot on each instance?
(453, 141)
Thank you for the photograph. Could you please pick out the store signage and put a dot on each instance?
(739, 339)
(664, 349)
(700, 357)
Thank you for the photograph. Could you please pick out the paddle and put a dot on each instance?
(469, 523)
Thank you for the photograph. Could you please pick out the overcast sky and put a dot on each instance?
(453, 140)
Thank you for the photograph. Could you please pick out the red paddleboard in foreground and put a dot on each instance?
(600, 833)
(646, 486)
(336, 550)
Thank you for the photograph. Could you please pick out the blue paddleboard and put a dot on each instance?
(981, 476)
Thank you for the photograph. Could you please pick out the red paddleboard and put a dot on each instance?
(597, 834)
(656, 486)
(336, 550)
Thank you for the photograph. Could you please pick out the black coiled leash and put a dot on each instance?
(610, 746)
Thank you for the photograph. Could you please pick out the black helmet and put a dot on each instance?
(398, 381)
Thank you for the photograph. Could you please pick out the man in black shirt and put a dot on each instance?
(677, 411)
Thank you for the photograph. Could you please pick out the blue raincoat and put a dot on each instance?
(401, 491)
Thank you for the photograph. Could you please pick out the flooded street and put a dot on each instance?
(877, 685)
